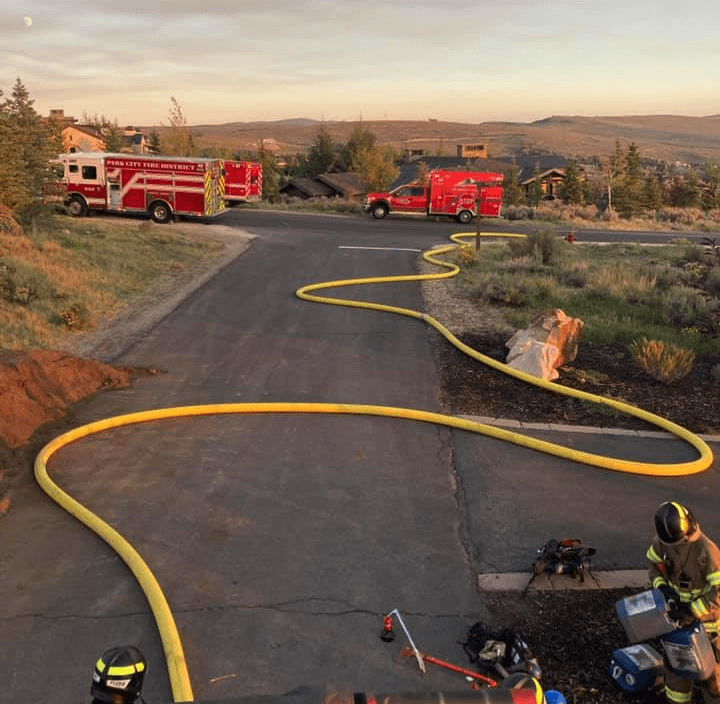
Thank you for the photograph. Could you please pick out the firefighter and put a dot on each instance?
(684, 564)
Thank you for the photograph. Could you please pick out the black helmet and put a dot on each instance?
(119, 675)
(673, 522)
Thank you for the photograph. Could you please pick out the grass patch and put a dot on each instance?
(622, 292)
(70, 273)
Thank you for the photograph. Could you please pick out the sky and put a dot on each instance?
(459, 60)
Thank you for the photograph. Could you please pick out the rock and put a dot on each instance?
(550, 341)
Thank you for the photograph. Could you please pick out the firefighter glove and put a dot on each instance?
(670, 595)
(682, 614)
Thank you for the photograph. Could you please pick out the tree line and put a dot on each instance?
(625, 186)
(28, 143)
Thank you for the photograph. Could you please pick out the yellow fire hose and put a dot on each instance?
(177, 666)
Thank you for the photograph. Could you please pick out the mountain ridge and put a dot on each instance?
(669, 138)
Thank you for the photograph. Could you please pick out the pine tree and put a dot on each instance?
(321, 158)
(711, 192)
(512, 191)
(651, 195)
(632, 179)
(571, 190)
(537, 192)
(270, 174)
(27, 144)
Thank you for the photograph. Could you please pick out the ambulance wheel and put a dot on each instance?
(160, 212)
(77, 207)
(379, 211)
(464, 217)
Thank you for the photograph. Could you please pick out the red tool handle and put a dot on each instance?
(454, 668)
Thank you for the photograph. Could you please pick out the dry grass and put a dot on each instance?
(76, 273)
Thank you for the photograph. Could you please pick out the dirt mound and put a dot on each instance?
(38, 386)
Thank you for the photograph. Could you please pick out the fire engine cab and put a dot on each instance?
(160, 186)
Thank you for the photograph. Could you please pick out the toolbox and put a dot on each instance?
(637, 667)
(690, 652)
(644, 616)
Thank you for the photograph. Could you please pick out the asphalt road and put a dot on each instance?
(280, 541)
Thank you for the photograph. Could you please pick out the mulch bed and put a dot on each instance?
(472, 388)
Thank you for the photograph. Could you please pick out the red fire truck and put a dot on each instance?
(243, 182)
(158, 185)
(452, 193)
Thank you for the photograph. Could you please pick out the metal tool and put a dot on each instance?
(418, 654)
(470, 674)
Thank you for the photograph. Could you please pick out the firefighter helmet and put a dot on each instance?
(119, 675)
(673, 522)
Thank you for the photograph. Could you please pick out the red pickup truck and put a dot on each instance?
(451, 193)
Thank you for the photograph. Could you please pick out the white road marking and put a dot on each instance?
(383, 249)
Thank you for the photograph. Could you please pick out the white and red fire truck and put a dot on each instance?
(243, 182)
(452, 193)
(161, 186)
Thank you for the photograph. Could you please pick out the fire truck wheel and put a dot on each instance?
(77, 207)
(464, 217)
(379, 211)
(159, 211)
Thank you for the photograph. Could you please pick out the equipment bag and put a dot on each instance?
(490, 648)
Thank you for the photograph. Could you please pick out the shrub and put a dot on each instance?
(76, 317)
(664, 362)
(20, 282)
(684, 306)
(466, 254)
(712, 282)
(712, 249)
(540, 245)
(519, 212)
(693, 252)
(624, 283)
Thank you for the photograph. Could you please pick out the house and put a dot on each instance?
(549, 169)
(550, 182)
(75, 137)
(135, 142)
(472, 151)
(81, 138)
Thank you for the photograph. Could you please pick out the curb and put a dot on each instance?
(594, 581)
(588, 429)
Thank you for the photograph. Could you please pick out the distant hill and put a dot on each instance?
(666, 138)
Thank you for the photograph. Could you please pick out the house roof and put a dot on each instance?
(529, 164)
(89, 131)
(559, 173)
(346, 184)
(308, 186)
